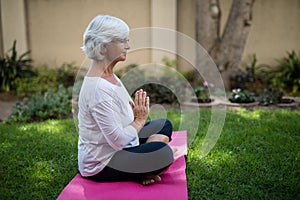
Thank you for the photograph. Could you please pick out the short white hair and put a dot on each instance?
(102, 30)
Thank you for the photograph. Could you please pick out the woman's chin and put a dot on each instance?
(122, 58)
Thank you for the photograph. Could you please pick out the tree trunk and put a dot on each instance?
(208, 32)
(226, 51)
(208, 23)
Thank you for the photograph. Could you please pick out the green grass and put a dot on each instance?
(37, 160)
(256, 157)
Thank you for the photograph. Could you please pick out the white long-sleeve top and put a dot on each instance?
(104, 118)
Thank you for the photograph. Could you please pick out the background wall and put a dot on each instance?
(56, 27)
(53, 29)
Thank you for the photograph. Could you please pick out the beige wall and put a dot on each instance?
(1, 34)
(55, 27)
(186, 11)
(13, 25)
(163, 14)
(275, 30)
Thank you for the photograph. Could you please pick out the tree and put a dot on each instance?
(226, 49)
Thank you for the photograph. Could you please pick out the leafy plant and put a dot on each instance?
(50, 105)
(125, 69)
(252, 77)
(168, 62)
(271, 95)
(26, 87)
(241, 96)
(202, 92)
(245, 75)
(161, 87)
(162, 90)
(46, 78)
(66, 74)
(13, 66)
(286, 76)
(160, 94)
(188, 75)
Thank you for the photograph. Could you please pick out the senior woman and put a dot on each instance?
(115, 141)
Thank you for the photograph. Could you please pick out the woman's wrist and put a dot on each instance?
(138, 124)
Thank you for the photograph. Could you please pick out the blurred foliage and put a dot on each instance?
(46, 78)
(202, 92)
(271, 96)
(286, 75)
(53, 104)
(13, 66)
(251, 77)
(165, 87)
(169, 63)
(241, 96)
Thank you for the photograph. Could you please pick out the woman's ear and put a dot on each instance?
(103, 48)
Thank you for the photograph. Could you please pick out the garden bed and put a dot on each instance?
(290, 103)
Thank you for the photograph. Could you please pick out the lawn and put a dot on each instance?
(256, 157)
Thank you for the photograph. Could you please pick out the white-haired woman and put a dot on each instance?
(115, 141)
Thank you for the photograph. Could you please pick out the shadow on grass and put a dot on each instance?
(37, 160)
(256, 157)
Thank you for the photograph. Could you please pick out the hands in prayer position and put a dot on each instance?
(140, 109)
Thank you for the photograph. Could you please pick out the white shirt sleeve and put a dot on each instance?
(107, 116)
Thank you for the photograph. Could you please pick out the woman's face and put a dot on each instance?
(117, 49)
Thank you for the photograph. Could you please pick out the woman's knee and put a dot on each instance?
(165, 152)
(167, 124)
(167, 129)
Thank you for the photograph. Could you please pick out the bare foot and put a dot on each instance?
(150, 179)
(158, 138)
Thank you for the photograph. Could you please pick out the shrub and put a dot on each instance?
(169, 62)
(160, 94)
(271, 95)
(188, 75)
(66, 74)
(241, 96)
(45, 79)
(202, 92)
(286, 76)
(12, 67)
(26, 87)
(53, 104)
(162, 88)
(252, 77)
(124, 70)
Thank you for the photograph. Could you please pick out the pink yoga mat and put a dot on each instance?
(173, 185)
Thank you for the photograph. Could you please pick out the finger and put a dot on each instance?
(136, 97)
(147, 105)
(144, 95)
(131, 104)
(138, 91)
(140, 98)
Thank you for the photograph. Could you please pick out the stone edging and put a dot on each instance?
(225, 102)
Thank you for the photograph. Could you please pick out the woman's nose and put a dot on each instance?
(127, 46)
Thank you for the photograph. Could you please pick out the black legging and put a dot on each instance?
(135, 163)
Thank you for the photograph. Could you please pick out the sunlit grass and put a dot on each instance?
(37, 160)
(256, 157)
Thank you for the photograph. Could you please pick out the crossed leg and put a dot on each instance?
(145, 162)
